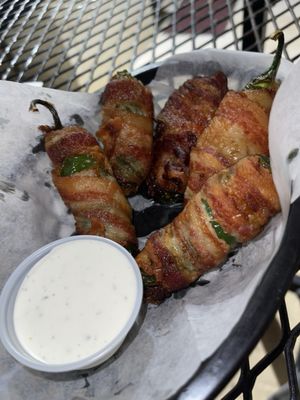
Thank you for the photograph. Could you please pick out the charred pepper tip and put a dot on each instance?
(124, 74)
(50, 107)
(267, 79)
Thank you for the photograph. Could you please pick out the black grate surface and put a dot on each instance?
(285, 345)
(77, 45)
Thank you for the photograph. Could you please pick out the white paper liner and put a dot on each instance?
(171, 340)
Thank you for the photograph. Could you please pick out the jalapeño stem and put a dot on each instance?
(50, 107)
(267, 78)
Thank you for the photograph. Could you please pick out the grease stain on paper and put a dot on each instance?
(9, 188)
(77, 119)
(3, 122)
(292, 154)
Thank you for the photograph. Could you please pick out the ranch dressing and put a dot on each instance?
(74, 301)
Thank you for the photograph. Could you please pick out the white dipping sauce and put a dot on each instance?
(74, 301)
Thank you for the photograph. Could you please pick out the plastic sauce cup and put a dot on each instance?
(99, 288)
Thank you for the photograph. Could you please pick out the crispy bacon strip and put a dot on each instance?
(85, 181)
(179, 125)
(232, 207)
(127, 129)
(238, 129)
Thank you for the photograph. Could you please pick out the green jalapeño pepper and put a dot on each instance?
(131, 108)
(74, 164)
(264, 161)
(230, 240)
(123, 74)
(148, 280)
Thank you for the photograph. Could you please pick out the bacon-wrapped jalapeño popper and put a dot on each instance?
(232, 207)
(179, 124)
(127, 130)
(239, 127)
(84, 179)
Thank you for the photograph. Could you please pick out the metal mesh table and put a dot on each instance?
(77, 45)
